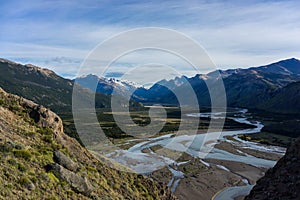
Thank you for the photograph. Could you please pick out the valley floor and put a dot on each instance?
(228, 171)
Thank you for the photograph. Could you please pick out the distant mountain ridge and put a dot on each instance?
(268, 87)
(288, 66)
(44, 86)
(264, 87)
(251, 88)
(107, 85)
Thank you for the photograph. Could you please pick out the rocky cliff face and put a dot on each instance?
(39, 161)
(282, 181)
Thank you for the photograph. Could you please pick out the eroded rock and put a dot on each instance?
(79, 183)
(65, 161)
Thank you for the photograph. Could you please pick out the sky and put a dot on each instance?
(60, 34)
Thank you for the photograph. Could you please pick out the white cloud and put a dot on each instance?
(238, 34)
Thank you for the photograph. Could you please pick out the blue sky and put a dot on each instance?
(59, 34)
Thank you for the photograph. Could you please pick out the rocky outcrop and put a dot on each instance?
(65, 169)
(80, 184)
(65, 161)
(283, 180)
(42, 116)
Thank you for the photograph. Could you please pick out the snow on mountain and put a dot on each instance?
(108, 85)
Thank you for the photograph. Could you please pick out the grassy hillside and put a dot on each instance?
(38, 161)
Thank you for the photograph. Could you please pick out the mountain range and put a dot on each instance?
(273, 87)
(107, 85)
(46, 87)
(42, 86)
(256, 87)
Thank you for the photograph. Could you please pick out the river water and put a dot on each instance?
(195, 146)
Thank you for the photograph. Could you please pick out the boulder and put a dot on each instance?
(77, 182)
(65, 161)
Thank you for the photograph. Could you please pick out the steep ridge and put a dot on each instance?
(38, 161)
(284, 100)
(244, 87)
(42, 86)
(255, 87)
(282, 181)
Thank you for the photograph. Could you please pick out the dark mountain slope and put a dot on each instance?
(247, 89)
(282, 181)
(42, 86)
(244, 87)
(285, 100)
(287, 67)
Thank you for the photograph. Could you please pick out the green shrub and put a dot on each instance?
(52, 177)
(5, 148)
(45, 150)
(25, 154)
(91, 169)
(34, 179)
(24, 181)
(45, 131)
(21, 167)
(15, 107)
(2, 102)
(12, 162)
(9, 186)
(47, 138)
